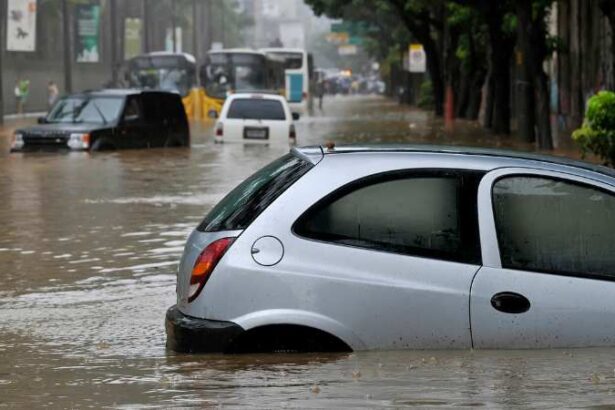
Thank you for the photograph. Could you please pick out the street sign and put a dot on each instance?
(417, 60)
(21, 25)
(338, 38)
(347, 50)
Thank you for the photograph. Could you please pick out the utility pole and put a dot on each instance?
(174, 26)
(223, 18)
(68, 55)
(113, 12)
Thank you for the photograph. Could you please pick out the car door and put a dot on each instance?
(392, 257)
(548, 278)
(131, 133)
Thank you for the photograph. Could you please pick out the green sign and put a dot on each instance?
(132, 37)
(87, 44)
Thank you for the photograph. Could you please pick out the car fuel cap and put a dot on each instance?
(267, 251)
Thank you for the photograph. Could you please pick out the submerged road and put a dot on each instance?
(89, 246)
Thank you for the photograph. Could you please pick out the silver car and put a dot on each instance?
(353, 248)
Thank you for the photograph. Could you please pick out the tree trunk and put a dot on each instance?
(475, 95)
(501, 48)
(490, 100)
(434, 67)
(532, 34)
(543, 111)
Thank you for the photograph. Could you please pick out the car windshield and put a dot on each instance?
(256, 109)
(95, 110)
(244, 203)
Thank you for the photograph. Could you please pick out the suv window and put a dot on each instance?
(430, 214)
(554, 226)
(132, 111)
(256, 109)
(243, 204)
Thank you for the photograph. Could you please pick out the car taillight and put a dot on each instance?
(292, 133)
(219, 129)
(205, 264)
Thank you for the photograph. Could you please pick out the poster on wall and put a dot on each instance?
(21, 25)
(132, 37)
(87, 46)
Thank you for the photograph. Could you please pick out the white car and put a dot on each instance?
(354, 248)
(256, 118)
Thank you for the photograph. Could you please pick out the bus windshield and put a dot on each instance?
(167, 73)
(227, 72)
(292, 61)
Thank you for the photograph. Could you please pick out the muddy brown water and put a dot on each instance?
(89, 246)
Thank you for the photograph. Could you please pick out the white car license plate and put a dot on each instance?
(256, 133)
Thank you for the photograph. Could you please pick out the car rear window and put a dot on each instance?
(256, 109)
(244, 203)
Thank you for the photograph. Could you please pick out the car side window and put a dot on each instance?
(429, 215)
(132, 111)
(554, 226)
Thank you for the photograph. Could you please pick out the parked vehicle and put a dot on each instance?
(256, 118)
(402, 248)
(108, 119)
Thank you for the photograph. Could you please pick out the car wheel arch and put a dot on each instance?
(301, 318)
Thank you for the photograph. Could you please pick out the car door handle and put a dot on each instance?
(510, 302)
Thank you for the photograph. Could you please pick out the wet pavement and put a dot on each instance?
(88, 251)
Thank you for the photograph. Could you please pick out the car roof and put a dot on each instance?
(117, 92)
(511, 158)
(257, 95)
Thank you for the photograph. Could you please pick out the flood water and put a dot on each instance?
(89, 246)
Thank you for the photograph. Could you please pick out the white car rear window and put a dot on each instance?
(256, 109)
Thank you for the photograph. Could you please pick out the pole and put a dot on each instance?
(195, 26)
(113, 12)
(174, 26)
(210, 32)
(68, 55)
(223, 18)
(146, 39)
(2, 43)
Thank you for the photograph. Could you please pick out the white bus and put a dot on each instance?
(298, 69)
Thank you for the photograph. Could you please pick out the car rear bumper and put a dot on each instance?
(187, 334)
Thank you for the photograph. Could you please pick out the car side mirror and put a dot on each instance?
(296, 116)
(41, 120)
(213, 114)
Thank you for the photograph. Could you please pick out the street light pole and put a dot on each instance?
(68, 55)
(195, 28)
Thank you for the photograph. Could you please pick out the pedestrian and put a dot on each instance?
(52, 94)
(320, 92)
(22, 89)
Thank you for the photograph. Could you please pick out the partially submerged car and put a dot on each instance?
(256, 117)
(355, 248)
(107, 120)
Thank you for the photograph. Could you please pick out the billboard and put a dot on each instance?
(87, 44)
(21, 25)
(132, 37)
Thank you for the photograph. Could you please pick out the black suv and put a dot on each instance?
(109, 119)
